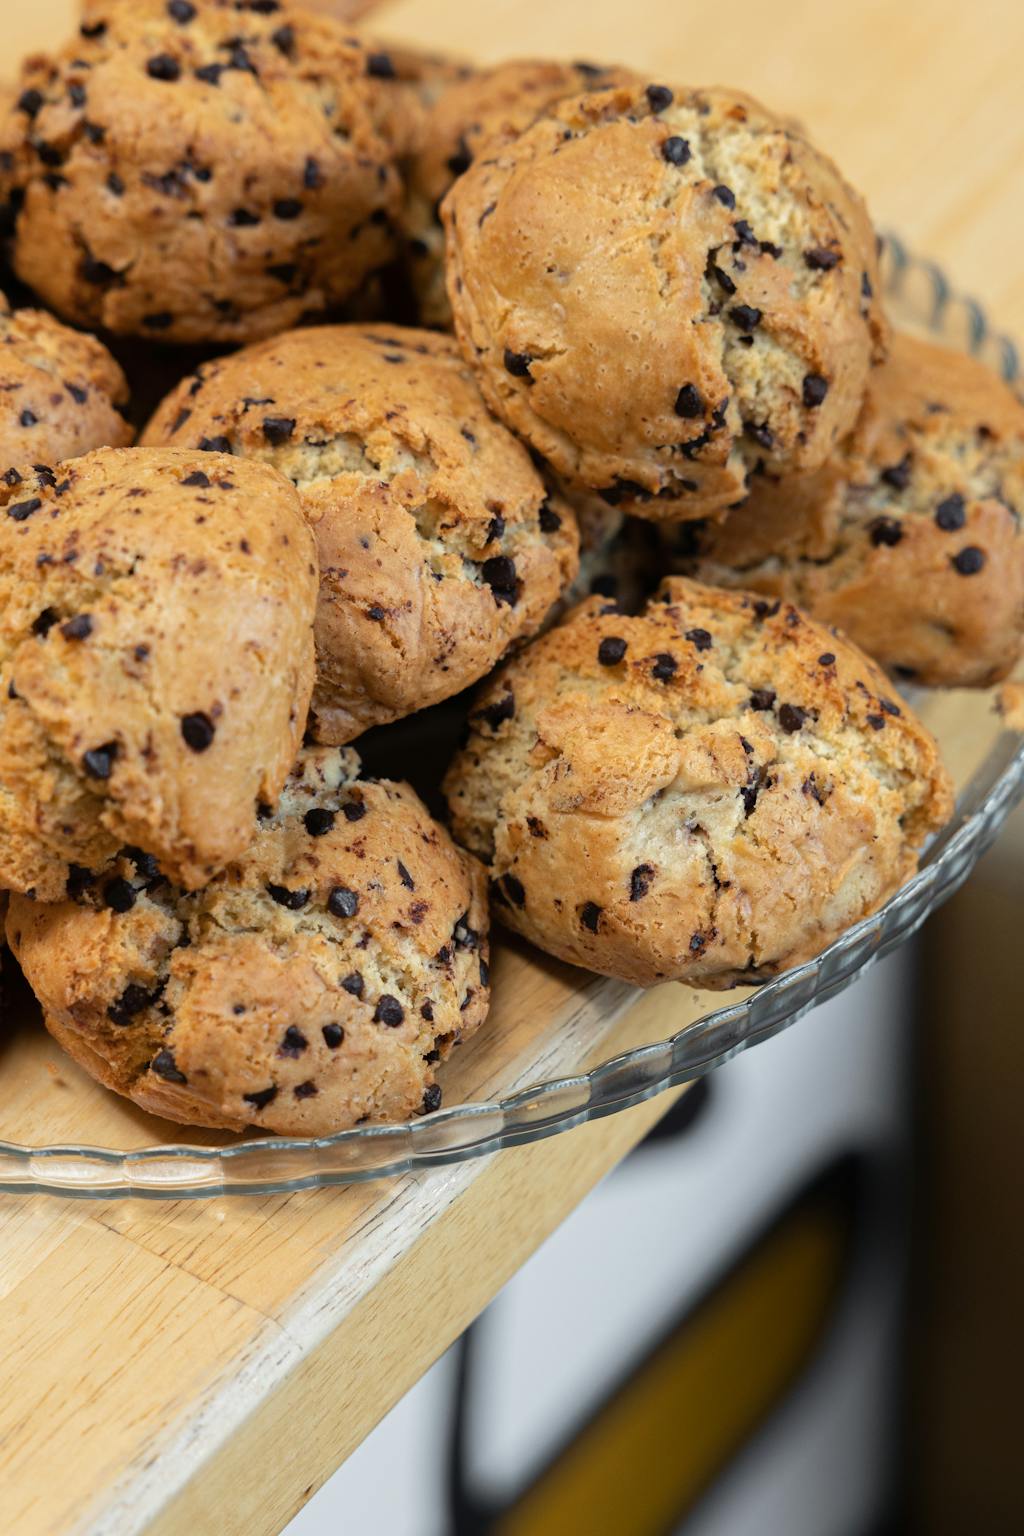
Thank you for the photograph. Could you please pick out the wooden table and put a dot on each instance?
(197, 1366)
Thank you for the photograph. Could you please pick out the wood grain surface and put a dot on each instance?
(195, 1366)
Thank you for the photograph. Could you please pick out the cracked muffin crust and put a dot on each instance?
(314, 984)
(200, 170)
(61, 393)
(156, 660)
(910, 537)
(477, 108)
(438, 545)
(710, 792)
(663, 290)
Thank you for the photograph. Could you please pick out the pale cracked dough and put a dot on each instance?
(61, 393)
(910, 538)
(200, 170)
(662, 290)
(313, 985)
(156, 660)
(439, 547)
(710, 792)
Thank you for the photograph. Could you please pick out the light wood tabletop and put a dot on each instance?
(190, 1366)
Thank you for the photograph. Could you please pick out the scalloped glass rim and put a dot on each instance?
(269, 1165)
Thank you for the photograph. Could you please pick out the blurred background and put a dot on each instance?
(796, 1309)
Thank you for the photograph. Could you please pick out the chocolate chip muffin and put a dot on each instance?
(663, 291)
(199, 170)
(460, 115)
(910, 536)
(61, 393)
(156, 660)
(438, 545)
(313, 985)
(709, 792)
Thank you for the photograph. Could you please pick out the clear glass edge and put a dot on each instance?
(178, 1171)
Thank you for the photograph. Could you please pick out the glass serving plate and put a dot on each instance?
(561, 1046)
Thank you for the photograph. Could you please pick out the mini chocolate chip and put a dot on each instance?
(665, 667)
(20, 510)
(287, 208)
(78, 628)
(44, 622)
(99, 762)
(821, 258)
(725, 196)
(791, 718)
(243, 218)
(885, 530)
(689, 402)
(745, 316)
(307, 1090)
(876, 722)
(165, 1066)
(590, 915)
(312, 175)
(380, 66)
(278, 429)
(342, 902)
(427, 1012)
(197, 478)
(389, 1011)
(293, 1042)
(30, 102)
(78, 881)
(760, 433)
(214, 445)
(198, 731)
(762, 699)
(969, 561)
(499, 572)
(724, 281)
(826, 659)
(495, 529)
(162, 66)
(333, 1035)
(865, 286)
(180, 11)
(494, 714)
(353, 810)
(676, 150)
(284, 40)
(640, 881)
(92, 29)
(815, 388)
(405, 877)
(951, 514)
(376, 613)
(550, 521)
(659, 97)
(897, 475)
(518, 363)
(353, 984)
(699, 638)
(431, 1098)
(261, 1098)
(146, 866)
(318, 822)
(28, 418)
(133, 1000)
(293, 900)
(611, 651)
(891, 708)
(160, 320)
(118, 895)
(514, 890)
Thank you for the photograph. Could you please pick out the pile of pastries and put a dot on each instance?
(338, 380)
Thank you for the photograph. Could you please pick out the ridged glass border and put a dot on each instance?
(473, 1130)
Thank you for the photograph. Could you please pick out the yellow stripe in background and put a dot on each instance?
(649, 1452)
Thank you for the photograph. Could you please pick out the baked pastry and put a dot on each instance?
(662, 291)
(910, 537)
(61, 393)
(314, 984)
(460, 115)
(199, 170)
(709, 792)
(438, 545)
(156, 660)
